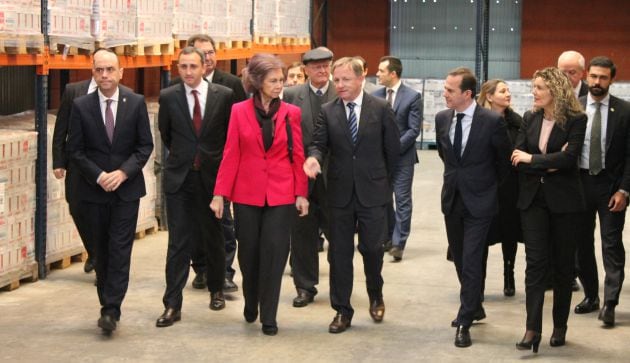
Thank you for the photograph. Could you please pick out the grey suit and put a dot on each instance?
(305, 231)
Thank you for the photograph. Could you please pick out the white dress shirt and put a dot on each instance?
(590, 112)
(466, 123)
(357, 108)
(202, 88)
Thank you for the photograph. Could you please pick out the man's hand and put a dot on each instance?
(617, 202)
(111, 181)
(59, 173)
(311, 167)
(216, 205)
(301, 204)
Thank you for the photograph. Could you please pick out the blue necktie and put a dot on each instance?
(457, 140)
(352, 122)
(319, 93)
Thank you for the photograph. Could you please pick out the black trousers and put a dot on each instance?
(372, 228)
(113, 228)
(549, 243)
(598, 190)
(81, 221)
(190, 220)
(263, 234)
(305, 240)
(467, 242)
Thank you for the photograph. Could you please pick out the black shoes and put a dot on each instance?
(200, 281)
(339, 324)
(217, 300)
(479, 315)
(89, 265)
(303, 299)
(377, 310)
(229, 285)
(587, 305)
(558, 337)
(107, 323)
(575, 286)
(462, 337)
(531, 340)
(607, 315)
(397, 253)
(269, 329)
(250, 316)
(168, 318)
(508, 278)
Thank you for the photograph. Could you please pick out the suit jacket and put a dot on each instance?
(92, 152)
(370, 87)
(364, 169)
(408, 109)
(583, 89)
(617, 143)
(179, 136)
(484, 163)
(562, 187)
(224, 79)
(249, 174)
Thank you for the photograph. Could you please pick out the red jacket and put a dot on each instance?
(248, 174)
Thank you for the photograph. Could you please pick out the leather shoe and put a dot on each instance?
(479, 315)
(339, 324)
(107, 323)
(377, 310)
(607, 315)
(200, 281)
(397, 253)
(575, 286)
(587, 305)
(270, 329)
(168, 318)
(89, 266)
(229, 286)
(462, 337)
(217, 300)
(302, 299)
(387, 245)
(250, 316)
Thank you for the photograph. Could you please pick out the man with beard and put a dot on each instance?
(605, 176)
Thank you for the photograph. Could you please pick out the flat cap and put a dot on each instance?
(317, 54)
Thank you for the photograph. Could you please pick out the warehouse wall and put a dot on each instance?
(591, 27)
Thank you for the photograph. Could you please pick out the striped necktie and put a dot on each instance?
(352, 122)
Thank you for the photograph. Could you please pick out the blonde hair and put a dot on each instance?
(488, 89)
(354, 63)
(565, 103)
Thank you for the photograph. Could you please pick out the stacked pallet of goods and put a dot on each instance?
(154, 26)
(20, 27)
(186, 20)
(293, 22)
(69, 26)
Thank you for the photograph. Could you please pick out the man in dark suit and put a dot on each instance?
(368, 87)
(310, 97)
(110, 142)
(358, 134)
(193, 121)
(605, 175)
(473, 144)
(572, 64)
(213, 75)
(407, 105)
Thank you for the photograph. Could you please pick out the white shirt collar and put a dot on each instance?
(202, 88)
(396, 86)
(103, 98)
(92, 86)
(590, 101)
(358, 101)
(470, 111)
(324, 89)
(210, 77)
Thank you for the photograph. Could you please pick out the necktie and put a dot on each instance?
(352, 122)
(109, 120)
(319, 93)
(595, 154)
(457, 140)
(390, 97)
(196, 113)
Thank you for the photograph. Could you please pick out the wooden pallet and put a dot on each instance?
(266, 40)
(180, 43)
(149, 48)
(65, 49)
(65, 261)
(12, 280)
(21, 44)
(149, 227)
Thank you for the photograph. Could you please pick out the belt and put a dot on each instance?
(586, 171)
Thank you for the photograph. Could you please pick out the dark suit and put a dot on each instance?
(408, 109)
(113, 215)
(305, 230)
(550, 202)
(359, 190)
(598, 189)
(469, 196)
(227, 222)
(188, 190)
(583, 89)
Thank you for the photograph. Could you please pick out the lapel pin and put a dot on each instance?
(124, 99)
(612, 109)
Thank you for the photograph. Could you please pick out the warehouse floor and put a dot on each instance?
(55, 319)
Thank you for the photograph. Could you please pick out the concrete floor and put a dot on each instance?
(55, 319)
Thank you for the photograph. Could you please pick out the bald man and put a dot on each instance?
(572, 64)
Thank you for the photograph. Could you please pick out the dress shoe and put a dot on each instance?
(558, 337)
(508, 278)
(200, 282)
(575, 286)
(217, 300)
(229, 286)
(88, 266)
(387, 245)
(607, 314)
(107, 323)
(480, 314)
(397, 253)
(339, 324)
(377, 310)
(168, 318)
(587, 305)
(531, 340)
(462, 337)
(302, 299)
(250, 316)
(270, 329)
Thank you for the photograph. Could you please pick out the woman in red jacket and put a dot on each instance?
(261, 173)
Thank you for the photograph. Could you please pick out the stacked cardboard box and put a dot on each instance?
(293, 18)
(20, 26)
(114, 22)
(69, 23)
(239, 19)
(158, 149)
(214, 20)
(154, 21)
(265, 20)
(186, 18)
(146, 213)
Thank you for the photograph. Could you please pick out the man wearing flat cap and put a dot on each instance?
(305, 232)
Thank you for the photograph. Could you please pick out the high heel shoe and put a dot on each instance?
(508, 278)
(558, 338)
(532, 343)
